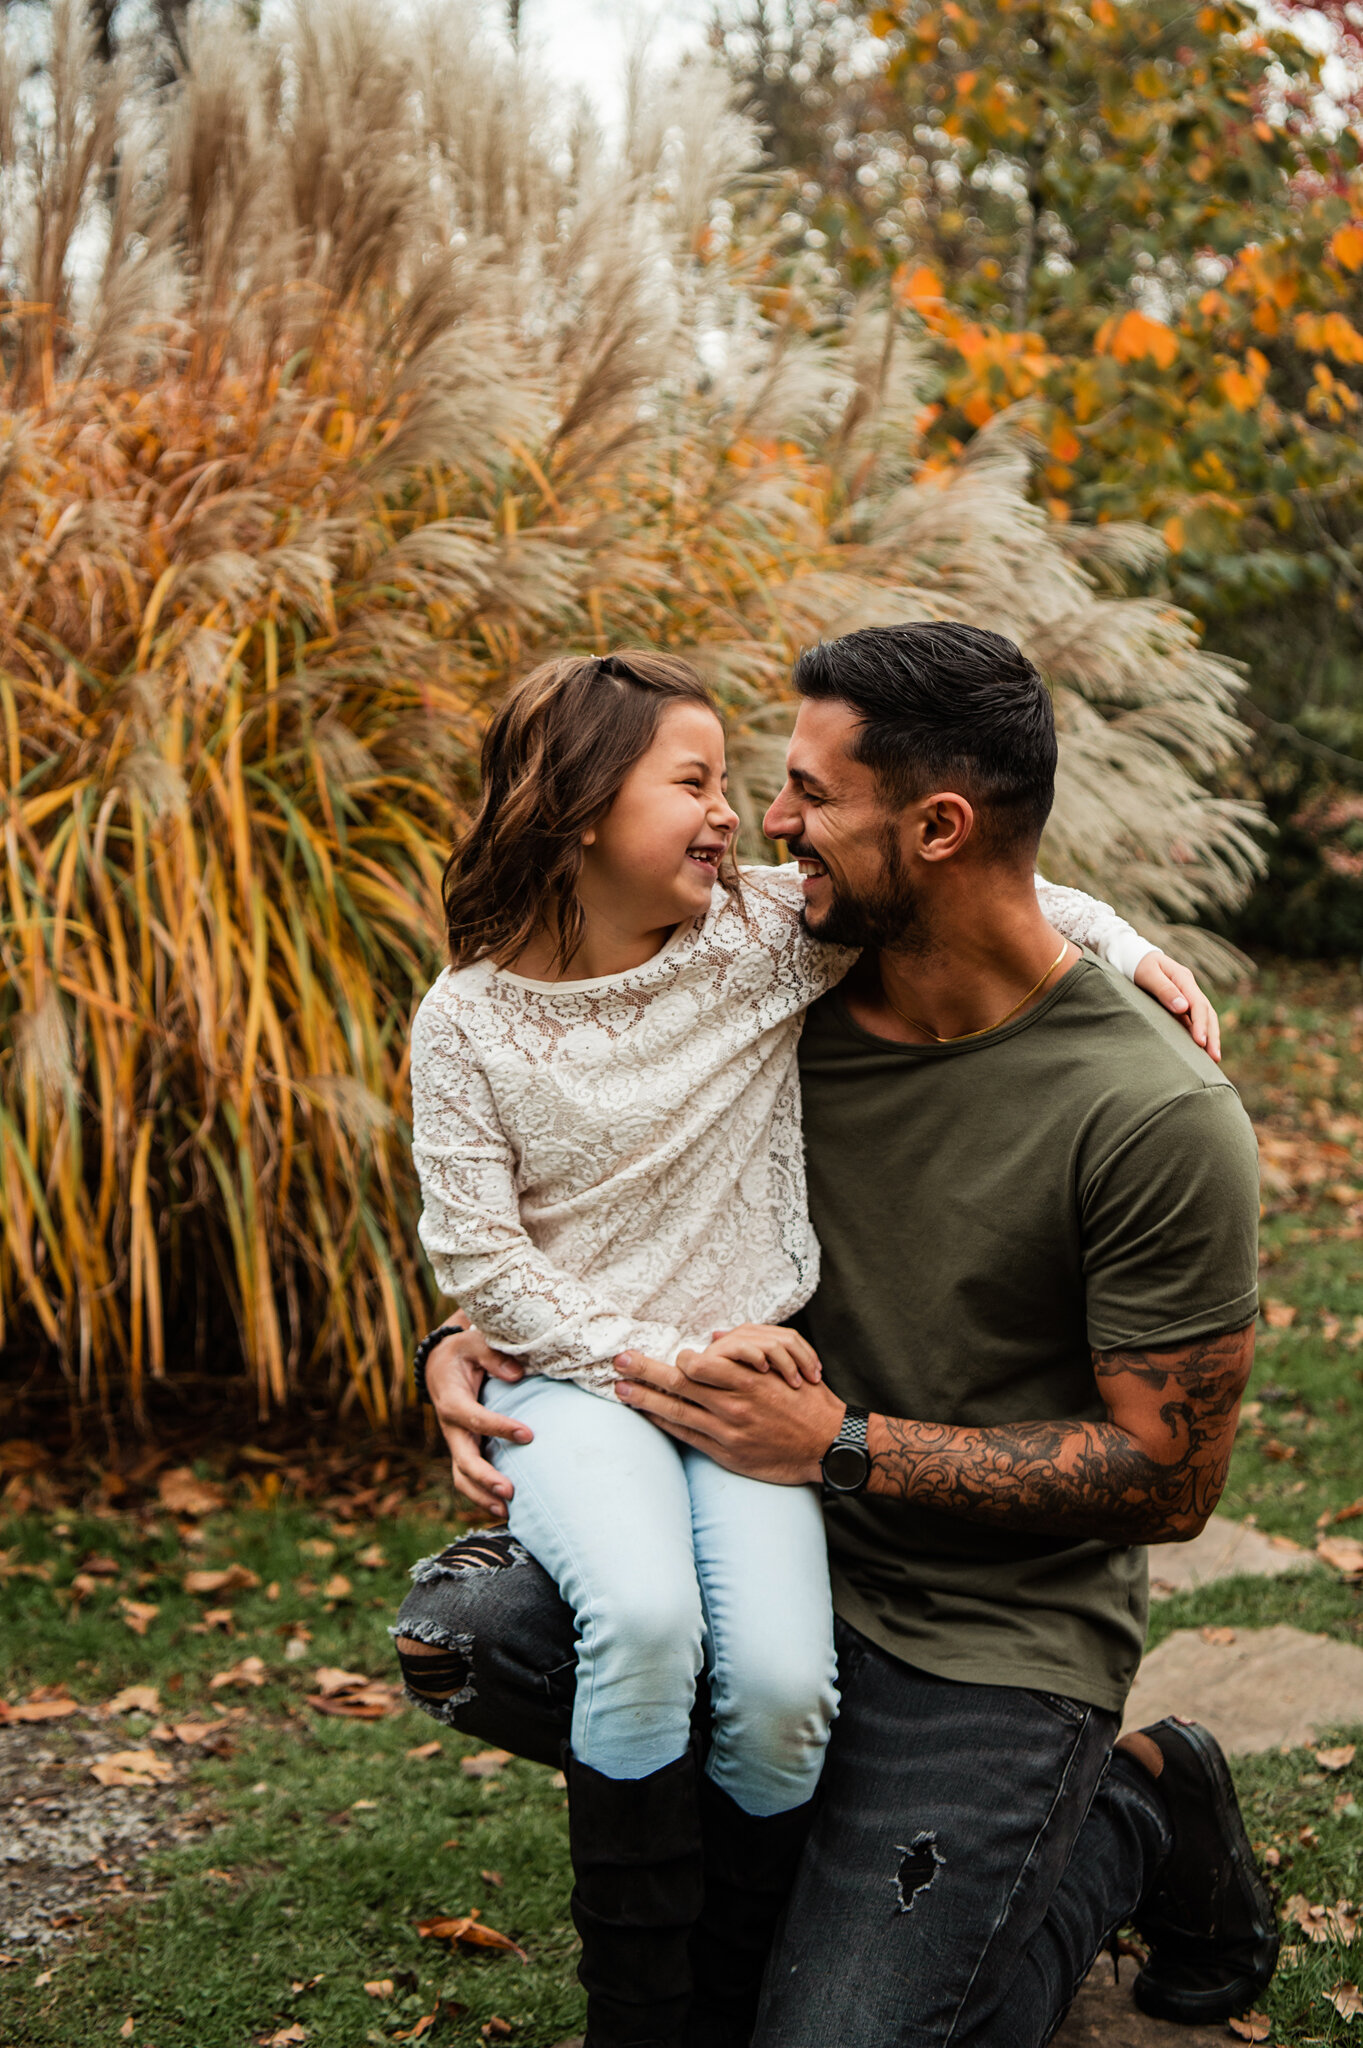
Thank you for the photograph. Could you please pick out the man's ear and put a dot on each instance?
(946, 823)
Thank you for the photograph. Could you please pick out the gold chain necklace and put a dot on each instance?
(984, 1031)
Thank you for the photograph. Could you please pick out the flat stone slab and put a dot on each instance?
(1104, 2016)
(1225, 1549)
(1255, 1688)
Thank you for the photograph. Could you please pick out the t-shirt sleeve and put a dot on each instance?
(1170, 1224)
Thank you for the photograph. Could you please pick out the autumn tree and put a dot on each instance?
(1142, 221)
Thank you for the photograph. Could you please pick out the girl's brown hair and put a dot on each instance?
(553, 760)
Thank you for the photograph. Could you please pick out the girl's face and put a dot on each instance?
(654, 858)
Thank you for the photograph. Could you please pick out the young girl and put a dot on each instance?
(607, 1130)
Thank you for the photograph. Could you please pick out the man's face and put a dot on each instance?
(850, 845)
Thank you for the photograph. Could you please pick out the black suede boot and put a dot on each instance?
(749, 1869)
(636, 1896)
(1208, 1919)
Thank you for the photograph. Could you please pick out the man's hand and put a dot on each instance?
(751, 1422)
(455, 1374)
(1175, 985)
(764, 1347)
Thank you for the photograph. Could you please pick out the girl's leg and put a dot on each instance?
(760, 1550)
(763, 1567)
(602, 1501)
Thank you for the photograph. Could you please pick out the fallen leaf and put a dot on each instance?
(1343, 1553)
(221, 1876)
(380, 1987)
(132, 1767)
(125, 2032)
(337, 1587)
(559, 1782)
(485, 1764)
(372, 1557)
(496, 2029)
(1349, 1514)
(363, 1805)
(492, 1877)
(234, 1579)
(135, 1699)
(469, 1929)
(1323, 1923)
(1279, 1315)
(1220, 1636)
(329, 1679)
(425, 1749)
(139, 1614)
(100, 1565)
(370, 1700)
(272, 1590)
(1255, 2026)
(39, 1710)
(194, 1731)
(423, 2025)
(1346, 1999)
(43, 1977)
(249, 1671)
(183, 1494)
(283, 2038)
(317, 1546)
(1337, 1759)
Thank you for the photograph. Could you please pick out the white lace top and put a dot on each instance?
(617, 1164)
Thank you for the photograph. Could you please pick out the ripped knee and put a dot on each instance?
(436, 1674)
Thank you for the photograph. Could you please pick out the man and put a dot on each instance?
(1038, 1204)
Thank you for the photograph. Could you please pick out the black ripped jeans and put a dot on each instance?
(973, 1846)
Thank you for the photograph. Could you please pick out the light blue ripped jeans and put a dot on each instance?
(669, 1562)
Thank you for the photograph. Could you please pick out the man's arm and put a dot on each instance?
(1151, 1472)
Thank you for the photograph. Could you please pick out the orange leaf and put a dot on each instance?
(1346, 245)
(921, 290)
(1134, 337)
(469, 1929)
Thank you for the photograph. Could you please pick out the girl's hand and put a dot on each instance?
(1174, 985)
(766, 1347)
(455, 1374)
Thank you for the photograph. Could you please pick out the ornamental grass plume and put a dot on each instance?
(344, 378)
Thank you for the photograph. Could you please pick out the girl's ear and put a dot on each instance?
(589, 836)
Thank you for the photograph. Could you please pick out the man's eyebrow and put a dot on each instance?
(804, 778)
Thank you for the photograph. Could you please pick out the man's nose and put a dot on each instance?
(783, 819)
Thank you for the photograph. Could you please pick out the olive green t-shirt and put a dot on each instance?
(990, 1213)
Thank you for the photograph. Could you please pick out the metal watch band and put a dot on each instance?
(852, 1437)
(423, 1352)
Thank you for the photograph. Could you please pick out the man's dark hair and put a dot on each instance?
(944, 706)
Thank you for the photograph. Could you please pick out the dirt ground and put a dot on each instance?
(69, 1845)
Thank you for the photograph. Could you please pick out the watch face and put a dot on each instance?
(846, 1467)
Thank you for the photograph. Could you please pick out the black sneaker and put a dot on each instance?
(1208, 1919)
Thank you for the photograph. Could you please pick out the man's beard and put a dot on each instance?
(889, 915)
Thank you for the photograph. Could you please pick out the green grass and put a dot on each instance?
(313, 1887)
(317, 1888)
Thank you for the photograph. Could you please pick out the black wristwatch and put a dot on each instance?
(424, 1350)
(846, 1464)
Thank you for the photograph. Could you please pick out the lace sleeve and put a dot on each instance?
(1087, 922)
(472, 1233)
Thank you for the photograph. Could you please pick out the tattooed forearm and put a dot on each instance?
(1152, 1471)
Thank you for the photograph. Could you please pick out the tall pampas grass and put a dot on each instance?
(345, 377)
